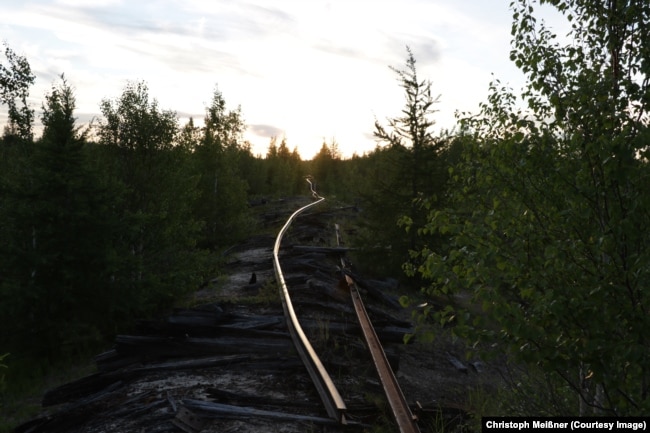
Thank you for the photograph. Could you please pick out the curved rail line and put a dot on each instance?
(330, 396)
(334, 404)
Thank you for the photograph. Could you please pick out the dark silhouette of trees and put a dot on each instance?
(397, 177)
(218, 157)
(326, 169)
(155, 251)
(285, 174)
(60, 241)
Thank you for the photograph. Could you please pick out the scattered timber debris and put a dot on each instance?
(228, 364)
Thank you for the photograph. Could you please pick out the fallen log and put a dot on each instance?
(257, 322)
(156, 347)
(231, 398)
(187, 421)
(322, 250)
(219, 410)
(199, 325)
(96, 382)
(70, 416)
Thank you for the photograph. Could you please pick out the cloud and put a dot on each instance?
(237, 20)
(266, 131)
(317, 69)
(369, 136)
(193, 38)
(260, 20)
(426, 50)
(92, 3)
(349, 53)
(187, 58)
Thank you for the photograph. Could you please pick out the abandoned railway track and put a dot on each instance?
(325, 386)
(229, 361)
(330, 396)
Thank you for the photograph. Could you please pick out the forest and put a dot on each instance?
(528, 218)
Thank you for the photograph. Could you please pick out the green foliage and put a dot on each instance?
(527, 390)
(221, 205)
(253, 170)
(96, 235)
(58, 240)
(15, 80)
(543, 226)
(155, 256)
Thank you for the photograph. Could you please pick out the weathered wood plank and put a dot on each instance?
(157, 347)
(98, 381)
(239, 399)
(71, 415)
(456, 363)
(323, 250)
(220, 410)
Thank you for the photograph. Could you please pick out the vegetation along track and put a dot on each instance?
(227, 362)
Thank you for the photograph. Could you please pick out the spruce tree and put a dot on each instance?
(406, 169)
(58, 260)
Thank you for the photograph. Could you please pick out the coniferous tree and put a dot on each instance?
(15, 79)
(58, 261)
(325, 168)
(285, 174)
(407, 169)
(16, 146)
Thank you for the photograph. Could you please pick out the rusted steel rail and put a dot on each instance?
(402, 414)
(330, 396)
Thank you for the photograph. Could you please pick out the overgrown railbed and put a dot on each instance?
(226, 362)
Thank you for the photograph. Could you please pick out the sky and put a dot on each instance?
(310, 71)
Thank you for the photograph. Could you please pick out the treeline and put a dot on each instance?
(101, 230)
(108, 223)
